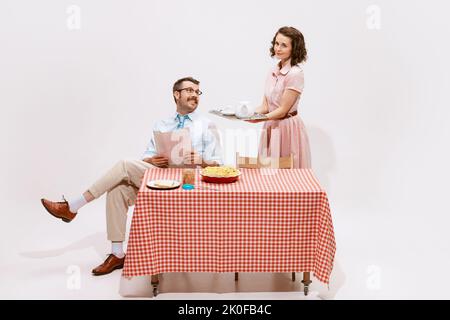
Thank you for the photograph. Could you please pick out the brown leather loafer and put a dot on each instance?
(59, 209)
(111, 263)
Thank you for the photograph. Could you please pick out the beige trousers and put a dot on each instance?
(121, 183)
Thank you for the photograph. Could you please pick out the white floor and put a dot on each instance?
(377, 258)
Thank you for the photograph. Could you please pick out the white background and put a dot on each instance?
(375, 104)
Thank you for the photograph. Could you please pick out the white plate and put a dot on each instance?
(227, 112)
(163, 184)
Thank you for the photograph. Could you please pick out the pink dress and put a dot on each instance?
(280, 138)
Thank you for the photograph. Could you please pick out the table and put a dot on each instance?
(270, 220)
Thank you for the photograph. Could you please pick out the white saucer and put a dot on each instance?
(163, 184)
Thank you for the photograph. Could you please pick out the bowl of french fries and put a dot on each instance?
(222, 174)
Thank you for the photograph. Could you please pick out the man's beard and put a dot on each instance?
(185, 106)
(193, 99)
(189, 100)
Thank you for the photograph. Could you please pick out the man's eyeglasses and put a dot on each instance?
(191, 91)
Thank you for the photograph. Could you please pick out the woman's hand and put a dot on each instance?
(256, 120)
(261, 118)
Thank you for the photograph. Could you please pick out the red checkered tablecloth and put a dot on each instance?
(270, 220)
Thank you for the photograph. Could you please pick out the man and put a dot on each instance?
(122, 181)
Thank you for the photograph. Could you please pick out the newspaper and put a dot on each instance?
(173, 145)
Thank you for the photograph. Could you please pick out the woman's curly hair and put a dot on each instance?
(298, 53)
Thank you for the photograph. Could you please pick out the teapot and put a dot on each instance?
(244, 110)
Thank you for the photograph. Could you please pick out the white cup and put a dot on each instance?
(229, 110)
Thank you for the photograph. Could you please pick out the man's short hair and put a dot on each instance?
(177, 84)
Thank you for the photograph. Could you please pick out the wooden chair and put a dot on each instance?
(256, 163)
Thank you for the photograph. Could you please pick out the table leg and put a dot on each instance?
(155, 282)
(236, 276)
(306, 282)
(293, 276)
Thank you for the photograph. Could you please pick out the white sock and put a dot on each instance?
(76, 204)
(117, 249)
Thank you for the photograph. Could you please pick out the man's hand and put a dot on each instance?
(158, 161)
(192, 158)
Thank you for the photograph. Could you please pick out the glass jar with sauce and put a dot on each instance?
(188, 177)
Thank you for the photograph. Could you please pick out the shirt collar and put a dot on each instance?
(283, 71)
(191, 116)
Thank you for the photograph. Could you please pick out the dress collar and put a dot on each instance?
(283, 71)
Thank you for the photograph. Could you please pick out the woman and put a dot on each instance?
(283, 132)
